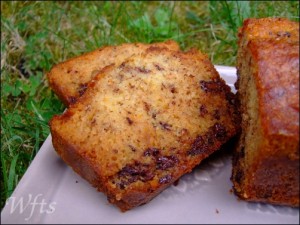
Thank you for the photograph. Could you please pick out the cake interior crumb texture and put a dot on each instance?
(266, 160)
(144, 123)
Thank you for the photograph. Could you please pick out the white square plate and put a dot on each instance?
(50, 192)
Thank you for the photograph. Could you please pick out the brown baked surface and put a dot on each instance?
(142, 124)
(266, 161)
(69, 79)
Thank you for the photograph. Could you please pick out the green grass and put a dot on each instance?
(37, 35)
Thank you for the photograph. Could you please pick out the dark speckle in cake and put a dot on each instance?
(72, 99)
(216, 114)
(205, 143)
(146, 106)
(132, 148)
(198, 147)
(143, 70)
(213, 86)
(82, 89)
(283, 34)
(165, 126)
(203, 111)
(153, 116)
(159, 68)
(151, 152)
(130, 122)
(166, 179)
(173, 89)
(165, 162)
(134, 172)
(220, 132)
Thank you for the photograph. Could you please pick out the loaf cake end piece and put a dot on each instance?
(266, 160)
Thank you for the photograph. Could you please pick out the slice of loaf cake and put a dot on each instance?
(142, 124)
(69, 79)
(266, 161)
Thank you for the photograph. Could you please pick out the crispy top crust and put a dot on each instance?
(69, 79)
(278, 86)
(268, 28)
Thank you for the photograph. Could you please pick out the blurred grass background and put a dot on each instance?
(37, 35)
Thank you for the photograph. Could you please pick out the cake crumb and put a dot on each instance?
(176, 182)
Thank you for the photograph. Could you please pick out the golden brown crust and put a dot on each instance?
(69, 79)
(266, 161)
(80, 165)
(144, 123)
(277, 82)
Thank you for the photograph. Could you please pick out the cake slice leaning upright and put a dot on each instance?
(266, 161)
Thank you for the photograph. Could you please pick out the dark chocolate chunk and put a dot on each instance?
(220, 132)
(166, 179)
(213, 86)
(82, 88)
(72, 99)
(151, 152)
(203, 110)
(205, 143)
(198, 147)
(165, 162)
(216, 114)
(132, 173)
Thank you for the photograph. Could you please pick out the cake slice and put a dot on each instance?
(266, 161)
(69, 79)
(143, 124)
